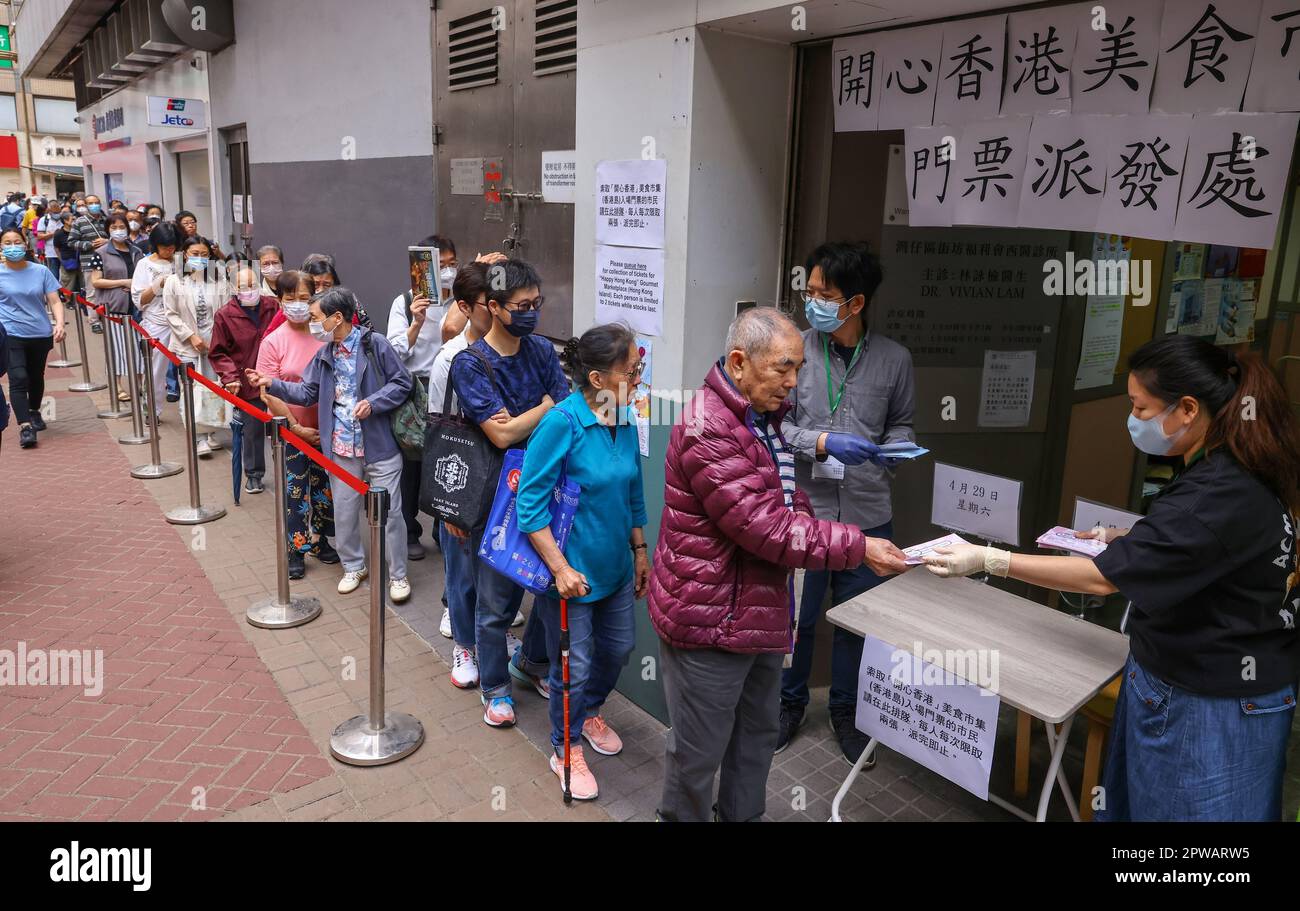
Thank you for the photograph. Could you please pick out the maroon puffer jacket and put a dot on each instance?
(727, 541)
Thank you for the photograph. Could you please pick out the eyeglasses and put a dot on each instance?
(526, 306)
(806, 296)
(635, 372)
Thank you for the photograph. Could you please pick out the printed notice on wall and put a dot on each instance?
(1007, 388)
(630, 287)
(1103, 322)
(630, 203)
(559, 176)
(929, 714)
(984, 505)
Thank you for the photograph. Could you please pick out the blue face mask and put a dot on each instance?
(522, 324)
(95, 208)
(1149, 435)
(14, 252)
(196, 263)
(823, 315)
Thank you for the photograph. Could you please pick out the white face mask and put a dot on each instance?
(446, 276)
(272, 271)
(297, 311)
(118, 234)
(319, 330)
(249, 295)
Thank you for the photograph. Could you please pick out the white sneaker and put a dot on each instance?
(352, 581)
(399, 590)
(512, 645)
(213, 443)
(519, 619)
(464, 668)
(444, 627)
(203, 448)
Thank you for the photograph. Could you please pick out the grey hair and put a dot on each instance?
(754, 330)
(271, 248)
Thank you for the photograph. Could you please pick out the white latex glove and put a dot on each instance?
(1101, 533)
(964, 559)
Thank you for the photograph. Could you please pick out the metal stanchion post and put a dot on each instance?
(62, 360)
(85, 385)
(196, 513)
(379, 737)
(284, 610)
(156, 468)
(137, 436)
(113, 410)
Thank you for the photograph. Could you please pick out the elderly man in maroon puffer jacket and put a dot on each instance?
(721, 596)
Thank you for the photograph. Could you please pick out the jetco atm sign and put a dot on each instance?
(183, 113)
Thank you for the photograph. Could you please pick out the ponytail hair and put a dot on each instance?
(601, 348)
(1249, 410)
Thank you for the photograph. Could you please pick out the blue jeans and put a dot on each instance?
(496, 605)
(458, 566)
(1179, 756)
(846, 648)
(173, 380)
(601, 636)
(533, 656)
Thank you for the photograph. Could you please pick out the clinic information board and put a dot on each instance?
(984, 505)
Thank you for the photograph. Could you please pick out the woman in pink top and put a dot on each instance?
(284, 354)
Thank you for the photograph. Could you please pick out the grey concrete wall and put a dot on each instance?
(337, 99)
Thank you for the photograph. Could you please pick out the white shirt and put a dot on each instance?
(148, 271)
(418, 359)
(441, 370)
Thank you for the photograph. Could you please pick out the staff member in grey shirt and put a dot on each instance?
(855, 393)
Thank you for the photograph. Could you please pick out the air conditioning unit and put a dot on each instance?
(100, 60)
(155, 31)
(118, 38)
(137, 33)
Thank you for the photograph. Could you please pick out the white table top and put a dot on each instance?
(1049, 663)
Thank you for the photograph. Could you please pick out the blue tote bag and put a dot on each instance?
(510, 551)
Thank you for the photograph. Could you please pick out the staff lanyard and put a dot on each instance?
(833, 398)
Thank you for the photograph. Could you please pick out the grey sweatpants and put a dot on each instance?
(724, 709)
(351, 529)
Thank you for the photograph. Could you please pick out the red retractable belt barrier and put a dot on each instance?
(296, 441)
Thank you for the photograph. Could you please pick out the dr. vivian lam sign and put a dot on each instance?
(182, 113)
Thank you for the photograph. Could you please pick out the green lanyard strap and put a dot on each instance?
(833, 397)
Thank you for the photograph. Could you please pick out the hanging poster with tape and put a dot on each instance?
(1040, 51)
(911, 72)
(990, 167)
(1115, 59)
(1206, 49)
(1274, 83)
(1065, 174)
(970, 70)
(1144, 170)
(855, 82)
(931, 169)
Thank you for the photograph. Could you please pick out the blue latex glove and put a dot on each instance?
(850, 449)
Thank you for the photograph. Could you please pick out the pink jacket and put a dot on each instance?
(727, 541)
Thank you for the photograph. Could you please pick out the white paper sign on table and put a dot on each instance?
(1090, 514)
(990, 167)
(630, 287)
(930, 715)
(1275, 71)
(630, 202)
(970, 70)
(1007, 388)
(1234, 185)
(856, 68)
(1144, 168)
(1206, 48)
(1114, 66)
(980, 504)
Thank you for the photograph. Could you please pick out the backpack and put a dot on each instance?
(10, 217)
(408, 418)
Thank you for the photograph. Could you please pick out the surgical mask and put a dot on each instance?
(522, 324)
(272, 272)
(119, 234)
(14, 252)
(297, 312)
(95, 208)
(135, 226)
(81, 210)
(196, 263)
(249, 295)
(446, 276)
(823, 315)
(319, 330)
(1149, 435)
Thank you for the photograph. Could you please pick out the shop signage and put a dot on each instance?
(182, 113)
(108, 121)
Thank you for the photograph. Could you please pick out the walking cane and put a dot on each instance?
(564, 673)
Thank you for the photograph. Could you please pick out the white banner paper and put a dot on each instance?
(1205, 53)
(1114, 66)
(1144, 170)
(1040, 51)
(630, 202)
(1065, 174)
(856, 69)
(1275, 72)
(990, 165)
(1235, 182)
(931, 174)
(911, 71)
(970, 70)
(630, 287)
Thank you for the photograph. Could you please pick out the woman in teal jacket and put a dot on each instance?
(592, 439)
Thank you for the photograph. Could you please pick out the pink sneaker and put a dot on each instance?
(500, 712)
(601, 736)
(581, 782)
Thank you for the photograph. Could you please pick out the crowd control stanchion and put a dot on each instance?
(379, 737)
(113, 411)
(284, 610)
(85, 385)
(62, 360)
(137, 436)
(156, 468)
(196, 513)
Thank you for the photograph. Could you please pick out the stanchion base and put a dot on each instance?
(274, 615)
(190, 515)
(356, 743)
(153, 472)
(131, 440)
(112, 415)
(62, 364)
(87, 387)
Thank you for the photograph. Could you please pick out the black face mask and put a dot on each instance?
(522, 324)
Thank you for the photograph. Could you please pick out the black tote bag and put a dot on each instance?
(460, 467)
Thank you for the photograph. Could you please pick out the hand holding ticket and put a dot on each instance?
(1062, 538)
(917, 553)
